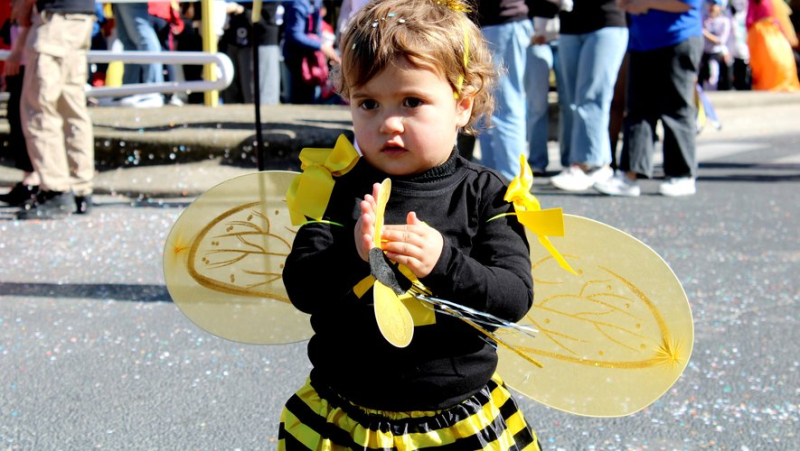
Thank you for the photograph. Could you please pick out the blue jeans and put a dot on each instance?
(589, 64)
(504, 142)
(136, 32)
(542, 59)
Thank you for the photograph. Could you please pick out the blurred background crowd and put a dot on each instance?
(288, 30)
(619, 69)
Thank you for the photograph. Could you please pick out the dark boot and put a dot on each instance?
(83, 204)
(19, 194)
(48, 205)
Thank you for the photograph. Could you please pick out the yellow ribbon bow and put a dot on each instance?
(543, 223)
(454, 5)
(310, 191)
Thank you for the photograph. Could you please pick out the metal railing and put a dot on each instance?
(224, 69)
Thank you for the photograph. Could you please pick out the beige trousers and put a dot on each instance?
(55, 119)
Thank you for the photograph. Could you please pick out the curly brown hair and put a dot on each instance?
(430, 34)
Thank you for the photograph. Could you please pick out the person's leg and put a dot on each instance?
(741, 75)
(244, 57)
(713, 74)
(703, 72)
(678, 115)
(569, 49)
(135, 20)
(132, 72)
(42, 123)
(300, 92)
(642, 115)
(725, 76)
(233, 93)
(189, 40)
(270, 71)
(618, 110)
(504, 142)
(564, 114)
(164, 34)
(537, 87)
(641, 102)
(600, 58)
(16, 136)
(78, 133)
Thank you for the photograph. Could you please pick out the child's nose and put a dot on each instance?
(392, 124)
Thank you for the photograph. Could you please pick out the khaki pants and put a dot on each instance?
(55, 120)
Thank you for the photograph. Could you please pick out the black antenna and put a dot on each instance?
(254, 39)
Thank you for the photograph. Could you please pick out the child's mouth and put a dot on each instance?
(393, 150)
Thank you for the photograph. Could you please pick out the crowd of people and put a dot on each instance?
(602, 57)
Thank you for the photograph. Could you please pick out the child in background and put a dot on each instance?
(737, 45)
(415, 72)
(716, 57)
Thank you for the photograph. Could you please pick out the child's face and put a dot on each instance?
(714, 10)
(406, 119)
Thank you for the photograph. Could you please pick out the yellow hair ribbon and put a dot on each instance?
(310, 191)
(542, 223)
(454, 5)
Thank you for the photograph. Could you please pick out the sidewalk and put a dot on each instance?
(183, 151)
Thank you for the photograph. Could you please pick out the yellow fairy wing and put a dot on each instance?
(613, 338)
(224, 258)
(394, 319)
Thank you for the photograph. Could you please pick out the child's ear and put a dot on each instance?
(464, 107)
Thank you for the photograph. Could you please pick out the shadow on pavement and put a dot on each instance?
(749, 172)
(105, 292)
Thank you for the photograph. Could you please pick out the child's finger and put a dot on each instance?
(376, 189)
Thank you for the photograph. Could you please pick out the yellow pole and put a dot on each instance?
(209, 46)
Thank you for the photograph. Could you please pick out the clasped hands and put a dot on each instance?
(414, 244)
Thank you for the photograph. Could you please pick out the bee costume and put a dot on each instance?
(439, 390)
(614, 331)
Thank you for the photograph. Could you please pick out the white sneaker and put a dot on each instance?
(678, 186)
(575, 179)
(153, 100)
(619, 186)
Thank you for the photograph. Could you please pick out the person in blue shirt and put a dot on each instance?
(303, 37)
(665, 47)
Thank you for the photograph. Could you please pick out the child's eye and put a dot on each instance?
(412, 102)
(368, 104)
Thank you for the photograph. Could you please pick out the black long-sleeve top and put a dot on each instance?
(498, 12)
(588, 16)
(484, 265)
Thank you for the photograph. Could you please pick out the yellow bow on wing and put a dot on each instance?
(310, 191)
(543, 223)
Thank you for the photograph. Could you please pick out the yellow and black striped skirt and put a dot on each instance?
(489, 420)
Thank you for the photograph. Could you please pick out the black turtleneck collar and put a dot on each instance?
(435, 173)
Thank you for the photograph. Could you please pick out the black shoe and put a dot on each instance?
(19, 194)
(83, 204)
(48, 205)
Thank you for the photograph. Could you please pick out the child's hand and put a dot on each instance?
(416, 245)
(365, 226)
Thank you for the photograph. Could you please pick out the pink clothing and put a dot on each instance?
(758, 10)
